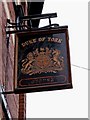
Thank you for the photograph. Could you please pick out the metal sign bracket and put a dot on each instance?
(25, 23)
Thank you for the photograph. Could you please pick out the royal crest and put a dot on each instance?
(43, 60)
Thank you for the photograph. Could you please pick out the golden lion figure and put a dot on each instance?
(27, 63)
(56, 55)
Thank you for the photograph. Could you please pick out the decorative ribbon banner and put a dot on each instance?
(42, 60)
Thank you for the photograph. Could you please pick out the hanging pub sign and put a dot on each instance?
(42, 60)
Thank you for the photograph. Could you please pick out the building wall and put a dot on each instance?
(1, 112)
(16, 103)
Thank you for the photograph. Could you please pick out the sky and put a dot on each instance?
(69, 103)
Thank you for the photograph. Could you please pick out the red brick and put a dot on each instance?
(16, 103)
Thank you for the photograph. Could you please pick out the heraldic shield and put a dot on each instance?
(42, 60)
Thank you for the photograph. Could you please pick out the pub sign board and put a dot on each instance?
(42, 60)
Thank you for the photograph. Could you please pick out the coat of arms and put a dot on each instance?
(43, 60)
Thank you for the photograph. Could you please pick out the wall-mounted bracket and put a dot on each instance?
(23, 25)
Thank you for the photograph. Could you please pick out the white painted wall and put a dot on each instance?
(69, 103)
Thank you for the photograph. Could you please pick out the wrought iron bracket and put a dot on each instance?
(25, 23)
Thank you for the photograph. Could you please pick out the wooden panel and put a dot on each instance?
(42, 60)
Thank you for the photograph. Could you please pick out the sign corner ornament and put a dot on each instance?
(42, 60)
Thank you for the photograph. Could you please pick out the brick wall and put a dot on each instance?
(1, 112)
(16, 103)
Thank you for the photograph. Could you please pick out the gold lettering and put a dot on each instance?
(23, 44)
(34, 40)
(56, 40)
(49, 38)
(41, 39)
(59, 40)
(30, 42)
(26, 42)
